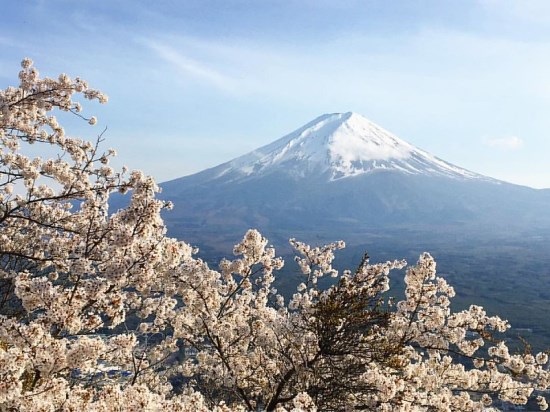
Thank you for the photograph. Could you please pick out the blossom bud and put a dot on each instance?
(26, 63)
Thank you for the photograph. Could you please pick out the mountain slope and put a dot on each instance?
(342, 176)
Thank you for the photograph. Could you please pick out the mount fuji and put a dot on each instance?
(342, 176)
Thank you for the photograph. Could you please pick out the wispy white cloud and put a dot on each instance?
(504, 143)
(188, 66)
(239, 67)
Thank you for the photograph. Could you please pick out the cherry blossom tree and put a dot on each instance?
(104, 312)
(69, 273)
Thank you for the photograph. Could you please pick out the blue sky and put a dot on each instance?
(196, 83)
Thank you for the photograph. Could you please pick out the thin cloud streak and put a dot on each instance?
(194, 68)
(505, 143)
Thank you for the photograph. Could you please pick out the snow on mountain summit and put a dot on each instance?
(338, 146)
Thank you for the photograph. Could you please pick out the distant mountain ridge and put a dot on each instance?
(342, 176)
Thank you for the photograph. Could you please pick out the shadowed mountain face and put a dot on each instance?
(343, 177)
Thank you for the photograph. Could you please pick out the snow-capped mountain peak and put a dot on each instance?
(343, 174)
(338, 146)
